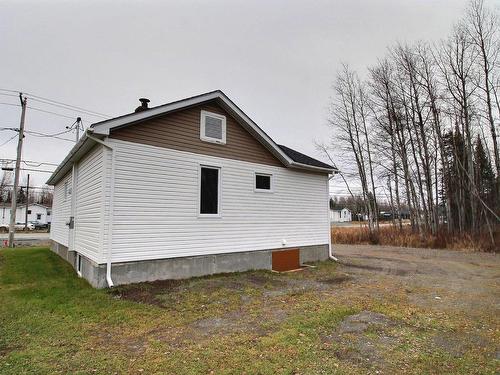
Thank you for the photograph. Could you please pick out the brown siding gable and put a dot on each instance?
(180, 130)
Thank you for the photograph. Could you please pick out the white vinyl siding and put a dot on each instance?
(156, 209)
(89, 204)
(61, 211)
(89, 216)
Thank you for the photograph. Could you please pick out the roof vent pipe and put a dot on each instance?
(143, 106)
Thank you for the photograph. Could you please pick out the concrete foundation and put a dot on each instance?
(182, 268)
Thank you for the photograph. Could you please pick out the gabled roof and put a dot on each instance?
(289, 158)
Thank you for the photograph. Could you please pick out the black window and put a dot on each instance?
(79, 263)
(29, 212)
(262, 182)
(209, 194)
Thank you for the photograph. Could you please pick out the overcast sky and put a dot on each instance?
(274, 59)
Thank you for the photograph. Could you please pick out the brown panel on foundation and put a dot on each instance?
(286, 260)
(181, 131)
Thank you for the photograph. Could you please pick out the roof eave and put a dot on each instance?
(76, 153)
(313, 168)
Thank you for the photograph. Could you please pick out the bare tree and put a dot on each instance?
(416, 125)
(348, 120)
(483, 29)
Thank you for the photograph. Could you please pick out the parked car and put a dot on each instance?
(17, 227)
(39, 225)
(20, 226)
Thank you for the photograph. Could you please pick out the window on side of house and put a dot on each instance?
(67, 190)
(212, 127)
(263, 182)
(209, 191)
(39, 216)
(29, 212)
(79, 264)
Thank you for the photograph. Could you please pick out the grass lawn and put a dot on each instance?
(250, 323)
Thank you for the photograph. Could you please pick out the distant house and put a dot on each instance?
(36, 212)
(341, 215)
(189, 188)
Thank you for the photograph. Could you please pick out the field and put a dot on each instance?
(382, 310)
(388, 235)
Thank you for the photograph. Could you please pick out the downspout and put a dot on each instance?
(330, 248)
(111, 205)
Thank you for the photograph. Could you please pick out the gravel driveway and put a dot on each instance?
(445, 279)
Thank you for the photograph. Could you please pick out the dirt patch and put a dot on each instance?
(359, 323)
(364, 339)
(387, 270)
(5, 350)
(236, 322)
(133, 345)
(458, 345)
(336, 279)
(146, 292)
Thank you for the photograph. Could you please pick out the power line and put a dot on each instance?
(36, 170)
(41, 110)
(4, 94)
(43, 135)
(56, 103)
(70, 128)
(67, 106)
(7, 141)
(14, 105)
(53, 113)
(30, 163)
(15, 91)
(35, 187)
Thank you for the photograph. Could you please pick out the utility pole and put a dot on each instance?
(27, 202)
(16, 172)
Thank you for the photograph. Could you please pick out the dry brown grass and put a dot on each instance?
(392, 236)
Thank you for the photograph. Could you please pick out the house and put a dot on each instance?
(189, 188)
(340, 216)
(36, 212)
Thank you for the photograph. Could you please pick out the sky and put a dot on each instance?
(275, 59)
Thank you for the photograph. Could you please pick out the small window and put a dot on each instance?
(263, 182)
(212, 127)
(48, 213)
(39, 216)
(79, 264)
(29, 212)
(209, 190)
(67, 190)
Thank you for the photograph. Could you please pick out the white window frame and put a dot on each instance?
(219, 192)
(271, 178)
(203, 137)
(79, 264)
(65, 190)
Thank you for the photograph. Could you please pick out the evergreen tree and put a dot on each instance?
(484, 175)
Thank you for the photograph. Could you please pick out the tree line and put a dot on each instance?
(41, 195)
(423, 126)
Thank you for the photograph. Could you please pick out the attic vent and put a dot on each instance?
(212, 127)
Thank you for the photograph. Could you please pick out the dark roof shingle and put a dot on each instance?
(303, 159)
